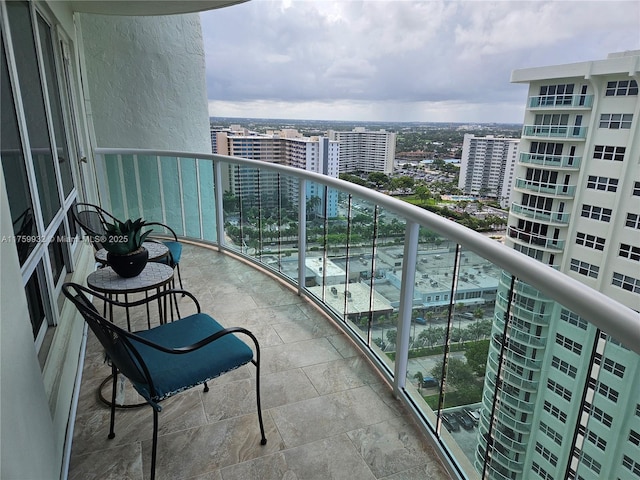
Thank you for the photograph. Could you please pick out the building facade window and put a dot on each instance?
(602, 183)
(546, 454)
(574, 319)
(631, 465)
(607, 391)
(609, 152)
(584, 268)
(559, 389)
(621, 88)
(564, 367)
(626, 282)
(569, 344)
(634, 437)
(614, 367)
(555, 411)
(616, 121)
(551, 433)
(590, 462)
(596, 213)
(633, 220)
(597, 441)
(601, 416)
(590, 241)
(636, 189)
(630, 252)
(541, 472)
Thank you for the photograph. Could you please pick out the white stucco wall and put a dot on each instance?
(146, 81)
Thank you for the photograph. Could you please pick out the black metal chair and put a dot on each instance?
(92, 220)
(168, 359)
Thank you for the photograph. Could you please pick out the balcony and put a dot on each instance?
(535, 239)
(331, 284)
(559, 218)
(554, 189)
(560, 102)
(574, 132)
(564, 162)
(326, 410)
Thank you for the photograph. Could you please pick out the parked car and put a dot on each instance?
(464, 420)
(450, 422)
(430, 382)
(420, 321)
(474, 415)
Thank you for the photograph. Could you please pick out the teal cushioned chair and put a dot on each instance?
(168, 359)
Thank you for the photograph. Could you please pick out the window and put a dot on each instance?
(568, 344)
(608, 152)
(590, 463)
(564, 367)
(633, 220)
(573, 319)
(628, 463)
(597, 441)
(614, 367)
(636, 189)
(584, 268)
(621, 88)
(559, 390)
(555, 411)
(616, 120)
(590, 241)
(542, 473)
(626, 282)
(546, 454)
(634, 437)
(596, 213)
(629, 251)
(551, 433)
(602, 183)
(607, 391)
(602, 417)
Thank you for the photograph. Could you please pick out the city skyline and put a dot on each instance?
(398, 61)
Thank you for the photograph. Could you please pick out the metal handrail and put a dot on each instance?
(616, 319)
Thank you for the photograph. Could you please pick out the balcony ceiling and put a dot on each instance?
(148, 7)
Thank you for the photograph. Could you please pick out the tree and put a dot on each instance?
(476, 354)
(379, 179)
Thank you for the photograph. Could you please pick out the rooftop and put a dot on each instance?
(327, 413)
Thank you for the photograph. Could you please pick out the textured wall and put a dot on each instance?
(146, 81)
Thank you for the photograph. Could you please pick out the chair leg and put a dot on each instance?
(263, 441)
(179, 277)
(154, 446)
(114, 376)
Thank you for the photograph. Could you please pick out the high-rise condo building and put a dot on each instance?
(565, 397)
(365, 151)
(285, 147)
(487, 166)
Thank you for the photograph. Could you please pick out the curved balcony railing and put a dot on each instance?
(534, 239)
(372, 262)
(553, 161)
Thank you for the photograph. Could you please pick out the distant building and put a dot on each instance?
(487, 166)
(365, 151)
(563, 395)
(285, 147)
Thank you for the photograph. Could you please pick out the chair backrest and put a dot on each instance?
(114, 339)
(92, 220)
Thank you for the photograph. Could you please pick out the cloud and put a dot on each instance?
(389, 57)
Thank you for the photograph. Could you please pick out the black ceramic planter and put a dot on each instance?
(129, 265)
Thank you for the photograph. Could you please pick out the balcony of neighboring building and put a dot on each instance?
(571, 132)
(561, 162)
(530, 238)
(546, 188)
(549, 217)
(560, 102)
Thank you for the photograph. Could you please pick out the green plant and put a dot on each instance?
(126, 237)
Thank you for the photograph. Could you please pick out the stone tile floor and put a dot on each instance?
(327, 414)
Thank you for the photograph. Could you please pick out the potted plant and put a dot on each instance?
(123, 243)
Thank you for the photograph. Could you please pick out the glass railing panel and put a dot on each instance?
(250, 181)
(320, 271)
(232, 218)
(172, 194)
(286, 248)
(207, 199)
(190, 196)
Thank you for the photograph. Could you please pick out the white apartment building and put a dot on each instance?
(285, 147)
(487, 166)
(566, 397)
(365, 151)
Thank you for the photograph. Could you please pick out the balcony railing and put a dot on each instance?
(561, 101)
(561, 218)
(546, 188)
(554, 161)
(372, 262)
(555, 131)
(535, 239)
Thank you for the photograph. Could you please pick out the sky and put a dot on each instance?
(399, 60)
